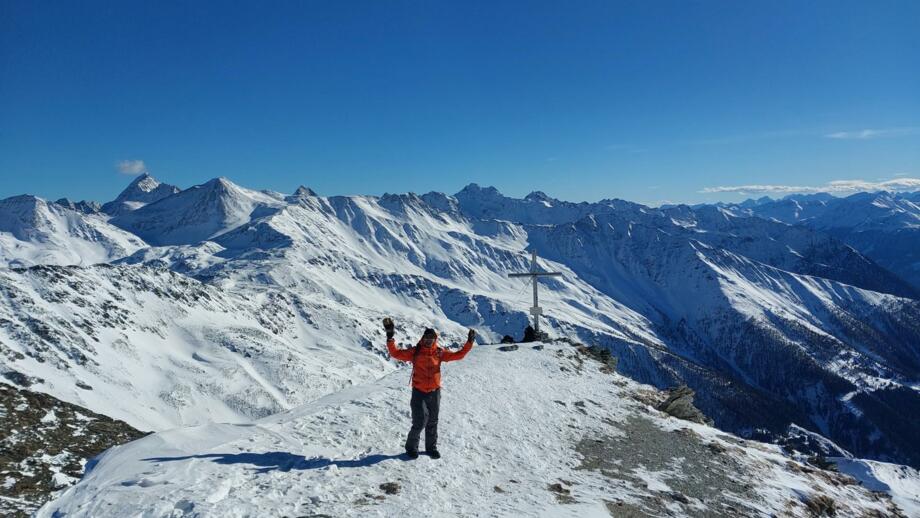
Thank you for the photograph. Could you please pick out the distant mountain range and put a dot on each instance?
(222, 302)
(883, 226)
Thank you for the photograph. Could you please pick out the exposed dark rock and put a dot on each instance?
(18, 378)
(640, 445)
(563, 494)
(506, 348)
(679, 497)
(84, 206)
(45, 445)
(390, 488)
(679, 404)
(717, 448)
(821, 505)
(529, 334)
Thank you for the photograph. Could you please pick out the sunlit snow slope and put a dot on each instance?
(34, 231)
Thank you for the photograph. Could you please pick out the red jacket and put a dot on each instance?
(426, 362)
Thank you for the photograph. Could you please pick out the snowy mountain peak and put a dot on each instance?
(27, 201)
(142, 190)
(197, 214)
(144, 183)
(302, 192)
(473, 189)
(538, 196)
(220, 184)
(815, 197)
(23, 214)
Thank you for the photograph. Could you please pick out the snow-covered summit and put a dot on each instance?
(301, 193)
(537, 431)
(142, 190)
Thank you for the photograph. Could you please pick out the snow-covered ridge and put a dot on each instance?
(539, 431)
(34, 231)
(196, 214)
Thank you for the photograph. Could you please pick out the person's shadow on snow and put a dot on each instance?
(283, 461)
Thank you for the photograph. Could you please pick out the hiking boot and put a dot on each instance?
(434, 454)
(413, 454)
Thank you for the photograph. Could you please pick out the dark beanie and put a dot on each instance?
(429, 333)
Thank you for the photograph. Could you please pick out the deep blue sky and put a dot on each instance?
(644, 100)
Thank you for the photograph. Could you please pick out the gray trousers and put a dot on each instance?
(425, 407)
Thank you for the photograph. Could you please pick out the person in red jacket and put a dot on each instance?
(426, 358)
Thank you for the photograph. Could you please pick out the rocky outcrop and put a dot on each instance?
(45, 444)
(679, 404)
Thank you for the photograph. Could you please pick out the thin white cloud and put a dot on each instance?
(837, 186)
(131, 167)
(868, 134)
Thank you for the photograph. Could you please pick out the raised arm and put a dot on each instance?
(451, 356)
(406, 355)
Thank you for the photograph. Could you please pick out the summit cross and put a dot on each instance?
(535, 273)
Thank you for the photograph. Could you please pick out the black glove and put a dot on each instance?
(388, 327)
(470, 336)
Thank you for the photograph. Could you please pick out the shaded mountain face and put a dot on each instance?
(772, 324)
(86, 207)
(302, 193)
(763, 347)
(718, 291)
(882, 226)
(143, 190)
